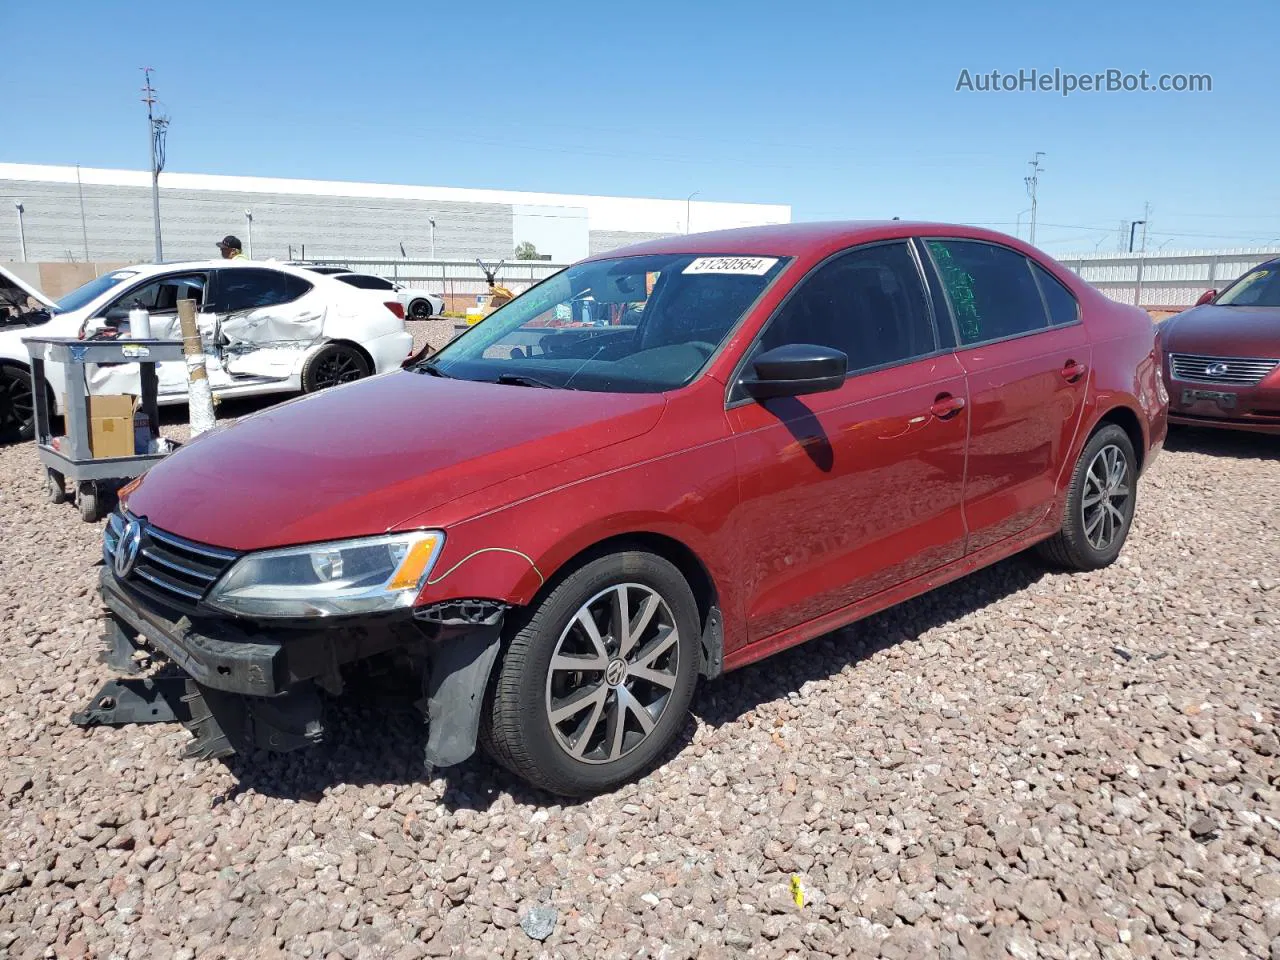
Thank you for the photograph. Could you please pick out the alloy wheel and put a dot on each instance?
(16, 404)
(612, 673)
(1106, 496)
(339, 366)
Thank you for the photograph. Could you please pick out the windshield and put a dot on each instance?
(624, 325)
(1260, 288)
(86, 294)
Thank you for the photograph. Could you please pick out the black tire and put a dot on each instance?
(1076, 546)
(55, 485)
(335, 364)
(420, 309)
(89, 501)
(17, 408)
(517, 730)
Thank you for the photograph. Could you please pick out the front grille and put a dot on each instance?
(169, 568)
(1241, 371)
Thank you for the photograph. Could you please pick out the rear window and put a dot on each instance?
(365, 282)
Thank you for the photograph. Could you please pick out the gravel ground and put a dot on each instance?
(1020, 764)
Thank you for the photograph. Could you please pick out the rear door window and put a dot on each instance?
(992, 290)
(242, 288)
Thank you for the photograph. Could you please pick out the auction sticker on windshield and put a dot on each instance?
(748, 266)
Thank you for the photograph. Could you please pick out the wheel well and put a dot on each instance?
(691, 568)
(1128, 421)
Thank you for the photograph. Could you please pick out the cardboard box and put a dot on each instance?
(111, 425)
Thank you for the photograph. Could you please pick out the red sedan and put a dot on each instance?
(1222, 357)
(776, 432)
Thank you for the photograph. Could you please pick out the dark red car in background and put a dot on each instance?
(771, 433)
(1222, 357)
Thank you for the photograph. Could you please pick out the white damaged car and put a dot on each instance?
(266, 328)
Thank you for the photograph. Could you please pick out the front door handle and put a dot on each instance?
(946, 406)
(1073, 371)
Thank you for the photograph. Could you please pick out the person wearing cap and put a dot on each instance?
(230, 247)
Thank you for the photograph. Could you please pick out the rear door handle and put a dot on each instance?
(1073, 371)
(946, 406)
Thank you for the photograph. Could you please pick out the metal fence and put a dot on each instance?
(1167, 281)
(456, 280)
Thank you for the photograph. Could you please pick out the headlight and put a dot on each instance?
(330, 579)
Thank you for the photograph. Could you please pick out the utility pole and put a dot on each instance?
(156, 129)
(433, 239)
(84, 230)
(1033, 184)
(248, 219)
(22, 231)
(688, 209)
(1146, 219)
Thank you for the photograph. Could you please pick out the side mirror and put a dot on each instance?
(796, 369)
(1206, 297)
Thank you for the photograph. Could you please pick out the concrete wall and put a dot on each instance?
(118, 222)
(602, 241)
(334, 219)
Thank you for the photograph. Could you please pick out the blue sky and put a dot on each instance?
(840, 109)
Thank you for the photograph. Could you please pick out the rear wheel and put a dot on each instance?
(334, 364)
(1100, 504)
(597, 682)
(420, 309)
(17, 407)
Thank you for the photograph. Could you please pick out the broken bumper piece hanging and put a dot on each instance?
(238, 688)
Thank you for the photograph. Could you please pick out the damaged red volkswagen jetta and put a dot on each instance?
(660, 464)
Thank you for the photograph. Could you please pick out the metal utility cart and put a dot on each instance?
(73, 460)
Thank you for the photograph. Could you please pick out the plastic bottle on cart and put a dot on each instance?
(139, 324)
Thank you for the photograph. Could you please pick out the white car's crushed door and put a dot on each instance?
(265, 342)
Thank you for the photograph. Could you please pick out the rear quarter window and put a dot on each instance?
(1060, 302)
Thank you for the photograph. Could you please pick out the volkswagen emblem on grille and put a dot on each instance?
(126, 554)
(1216, 370)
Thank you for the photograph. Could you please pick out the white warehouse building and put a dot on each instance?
(60, 213)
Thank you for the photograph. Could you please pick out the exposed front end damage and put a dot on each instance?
(239, 687)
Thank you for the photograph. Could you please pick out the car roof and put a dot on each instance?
(806, 239)
(179, 266)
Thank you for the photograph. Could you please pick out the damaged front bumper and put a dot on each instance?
(238, 686)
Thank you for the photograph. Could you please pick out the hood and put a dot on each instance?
(363, 458)
(1225, 332)
(13, 288)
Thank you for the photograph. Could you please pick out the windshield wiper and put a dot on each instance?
(431, 367)
(520, 380)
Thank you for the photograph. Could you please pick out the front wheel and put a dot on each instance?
(1100, 504)
(334, 364)
(420, 310)
(17, 406)
(596, 683)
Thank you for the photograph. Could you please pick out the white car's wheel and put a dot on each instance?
(420, 309)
